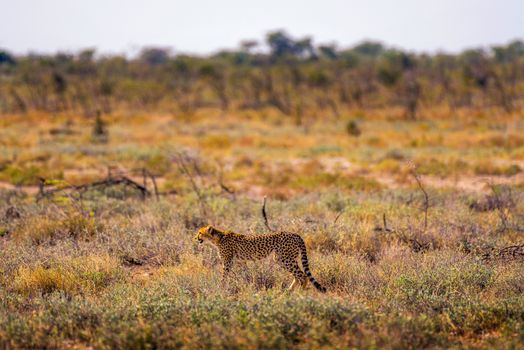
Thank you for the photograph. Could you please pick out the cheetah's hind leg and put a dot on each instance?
(299, 275)
(292, 285)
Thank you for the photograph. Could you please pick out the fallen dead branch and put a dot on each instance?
(513, 252)
(400, 234)
(113, 178)
(103, 184)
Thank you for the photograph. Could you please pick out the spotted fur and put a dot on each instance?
(287, 246)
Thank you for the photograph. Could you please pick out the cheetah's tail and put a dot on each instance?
(305, 265)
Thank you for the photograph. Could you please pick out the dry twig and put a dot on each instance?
(338, 216)
(264, 215)
(501, 206)
(426, 197)
(181, 161)
(223, 186)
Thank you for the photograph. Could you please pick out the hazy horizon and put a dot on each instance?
(204, 26)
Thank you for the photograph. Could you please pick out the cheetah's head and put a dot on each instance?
(206, 232)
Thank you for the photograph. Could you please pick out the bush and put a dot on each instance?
(488, 168)
(99, 132)
(21, 175)
(352, 128)
(440, 168)
(216, 142)
(388, 166)
(344, 182)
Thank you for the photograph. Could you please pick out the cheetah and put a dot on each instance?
(287, 247)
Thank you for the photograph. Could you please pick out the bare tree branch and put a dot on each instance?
(223, 186)
(501, 206)
(426, 197)
(155, 187)
(181, 161)
(97, 184)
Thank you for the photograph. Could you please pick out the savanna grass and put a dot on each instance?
(109, 270)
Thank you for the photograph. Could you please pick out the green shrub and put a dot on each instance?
(486, 168)
(21, 175)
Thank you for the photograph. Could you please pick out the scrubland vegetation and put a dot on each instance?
(296, 77)
(88, 262)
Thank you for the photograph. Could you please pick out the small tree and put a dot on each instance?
(99, 133)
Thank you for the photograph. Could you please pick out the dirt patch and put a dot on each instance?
(466, 183)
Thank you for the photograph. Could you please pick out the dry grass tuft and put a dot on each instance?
(87, 274)
(130, 275)
(40, 229)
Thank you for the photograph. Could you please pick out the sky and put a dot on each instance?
(206, 26)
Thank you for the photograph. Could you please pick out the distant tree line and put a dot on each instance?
(293, 76)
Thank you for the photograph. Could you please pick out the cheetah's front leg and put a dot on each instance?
(227, 261)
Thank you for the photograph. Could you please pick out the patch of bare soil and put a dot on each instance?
(466, 183)
(472, 183)
(31, 190)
